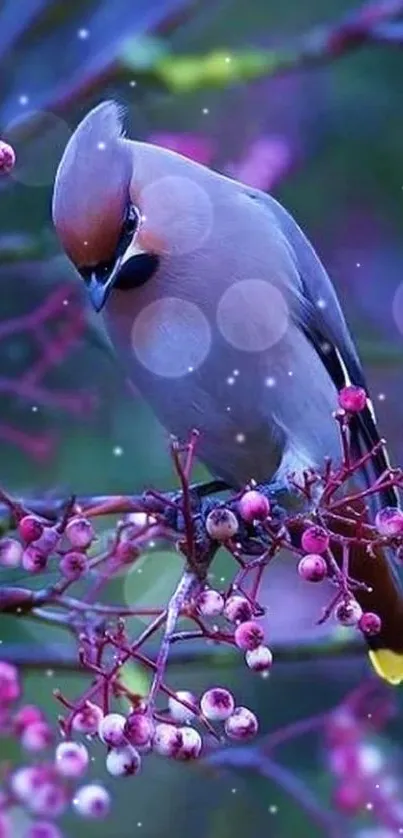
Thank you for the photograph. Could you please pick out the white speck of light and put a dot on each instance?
(358, 264)
(233, 791)
(101, 146)
(270, 381)
(240, 438)
(369, 806)
(23, 100)
(273, 810)
(83, 34)
(227, 59)
(381, 397)
(139, 823)
(133, 83)
(34, 408)
(190, 369)
(235, 373)
(230, 380)
(321, 303)
(66, 302)
(290, 373)
(205, 111)
(228, 408)
(117, 451)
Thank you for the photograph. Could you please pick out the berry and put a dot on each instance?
(10, 552)
(253, 506)
(260, 659)
(33, 559)
(92, 801)
(237, 609)
(80, 533)
(42, 829)
(217, 704)
(36, 736)
(315, 540)
(71, 759)
(242, 724)
(191, 744)
(249, 635)
(312, 568)
(26, 716)
(348, 613)
(139, 729)
(49, 800)
(221, 524)
(178, 711)
(25, 781)
(210, 603)
(72, 565)
(389, 521)
(88, 719)
(7, 158)
(9, 683)
(30, 528)
(370, 623)
(352, 399)
(167, 740)
(349, 798)
(111, 730)
(123, 761)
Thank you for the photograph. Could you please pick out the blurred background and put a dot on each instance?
(327, 141)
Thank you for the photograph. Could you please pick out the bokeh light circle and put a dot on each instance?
(252, 315)
(397, 307)
(38, 154)
(171, 337)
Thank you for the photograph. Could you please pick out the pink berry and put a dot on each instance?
(167, 740)
(389, 521)
(123, 761)
(30, 528)
(349, 798)
(178, 711)
(348, 613)
(88, 719)
(352, 399)
(315, 540)
(249, 635)
(191, 744)
(73, 565)
(111, 730)
(312, 568)
(126, 551)
(370, 623)
(260, 659)
(26, 716)
(42, 829)
(80, 533)
(253, 506)
(210, 603)
(9, 683)
(92, 801)
(237, 609)
(242, 724)
(33, 559)
(10, 552)
(71, 759)
(7, 158)
(221, 524)
(47, 542)
(49, 800)
(139, 729)
(217, 704)
(25, 781)
(37, 736)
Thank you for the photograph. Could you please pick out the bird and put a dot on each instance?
(225, 319)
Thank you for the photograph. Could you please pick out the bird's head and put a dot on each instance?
(96, 219)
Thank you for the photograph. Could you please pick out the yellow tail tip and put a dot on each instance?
(387, 664)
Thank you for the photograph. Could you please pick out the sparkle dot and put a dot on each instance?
(273, 810)
(230, 380)
(101, 146)
(50, 673)
(369, 806)
(205, 111)
(139, 823)
(228, 408)
(117, 451)
(358, 264)
(381, 397)
(270, 382)
(233, 791)
(34, 408)
(235, 373)
(227, 59)
(133, 83)
(23, 100)
(290, 373)
(240, 438)
(190, 369)
(321, 303)
(83, 34)
(66, 302)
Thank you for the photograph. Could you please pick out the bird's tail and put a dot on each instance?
(384, 597)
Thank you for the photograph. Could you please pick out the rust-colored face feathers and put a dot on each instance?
(92, 187)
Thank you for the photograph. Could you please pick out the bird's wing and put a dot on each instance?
(320, 316)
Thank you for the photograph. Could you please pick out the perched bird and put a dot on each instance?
(224, 318)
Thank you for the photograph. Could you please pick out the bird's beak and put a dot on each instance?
(100, 284)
